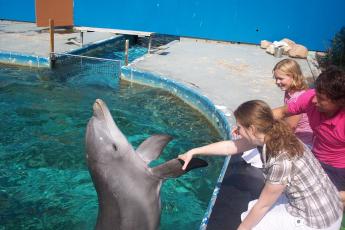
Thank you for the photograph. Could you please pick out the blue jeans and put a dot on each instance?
(337, 175)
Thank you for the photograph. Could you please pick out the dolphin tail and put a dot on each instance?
(173, 168)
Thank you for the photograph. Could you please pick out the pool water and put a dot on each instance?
(137, 48)
(114, 51)
(44, 181)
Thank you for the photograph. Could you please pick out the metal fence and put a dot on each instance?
(70, 63)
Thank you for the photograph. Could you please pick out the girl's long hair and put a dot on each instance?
(292, 69)
(279, 137)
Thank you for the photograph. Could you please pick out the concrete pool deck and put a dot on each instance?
(27, 38)
(26, 44)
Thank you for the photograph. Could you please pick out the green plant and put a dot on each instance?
(336, 53)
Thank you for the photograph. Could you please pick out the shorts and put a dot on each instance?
(337, 175)
(279, 218)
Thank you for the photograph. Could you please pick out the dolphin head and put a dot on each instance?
(128, 189)
(104, 140)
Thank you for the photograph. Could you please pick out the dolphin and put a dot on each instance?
(128, 189)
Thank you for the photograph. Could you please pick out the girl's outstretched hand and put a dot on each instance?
(242, 228)
(186, 157)
(235, 132)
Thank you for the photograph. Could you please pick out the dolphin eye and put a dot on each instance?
(114, 147)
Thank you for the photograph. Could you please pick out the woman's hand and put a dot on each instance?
(186, 157)
(241, 227)
(235, 133)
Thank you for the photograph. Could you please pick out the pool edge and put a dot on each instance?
(22, 59)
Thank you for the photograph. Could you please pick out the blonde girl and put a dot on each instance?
(289, 78)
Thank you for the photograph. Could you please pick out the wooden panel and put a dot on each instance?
(61, 11)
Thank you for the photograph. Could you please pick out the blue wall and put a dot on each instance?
(18, 10)
(312, 23)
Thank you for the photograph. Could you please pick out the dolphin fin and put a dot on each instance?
(173, 168)
(152, 147)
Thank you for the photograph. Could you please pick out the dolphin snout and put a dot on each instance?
(98, 108)
(98, 105)
(99, 101)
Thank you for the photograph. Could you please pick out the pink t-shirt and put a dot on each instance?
(329, 133)
(303, 130)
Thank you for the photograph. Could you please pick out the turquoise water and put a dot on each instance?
(44, 181)
(115, 50)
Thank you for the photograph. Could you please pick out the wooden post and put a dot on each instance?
(126, 51)
(51, 33)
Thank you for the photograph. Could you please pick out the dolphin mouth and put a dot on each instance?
(97, 105)
(102, 113)
(99, 109)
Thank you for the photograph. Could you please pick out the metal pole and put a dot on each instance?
(81, 38)
(51, 33)
(126, 51)
(149, 48)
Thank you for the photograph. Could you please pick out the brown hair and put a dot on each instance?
(292, 69)
(331, 82)
(278, 135)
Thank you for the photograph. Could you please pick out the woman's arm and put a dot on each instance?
(268, 196)
(218, 148)
(280, 112)
(292, 121)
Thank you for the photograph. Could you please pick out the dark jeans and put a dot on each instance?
(337, 175)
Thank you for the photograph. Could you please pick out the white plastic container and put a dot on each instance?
(278, 52)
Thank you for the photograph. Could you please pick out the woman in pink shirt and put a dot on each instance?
(325, 108)
(289, 78)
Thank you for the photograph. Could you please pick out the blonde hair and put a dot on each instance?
(279, 137)
(292, 69)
